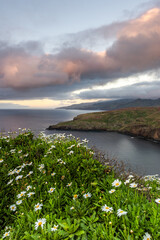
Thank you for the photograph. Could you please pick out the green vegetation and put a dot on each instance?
(52, 187)
(144, 122)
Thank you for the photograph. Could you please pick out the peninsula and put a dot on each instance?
(137, 121)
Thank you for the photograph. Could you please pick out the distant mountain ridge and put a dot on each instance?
(115, 104)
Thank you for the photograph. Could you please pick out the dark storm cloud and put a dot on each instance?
(51, 92)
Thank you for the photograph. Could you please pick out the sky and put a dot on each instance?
(55, 53)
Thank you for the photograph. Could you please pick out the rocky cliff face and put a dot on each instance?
(145, 132)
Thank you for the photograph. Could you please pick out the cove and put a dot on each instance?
(140, 155)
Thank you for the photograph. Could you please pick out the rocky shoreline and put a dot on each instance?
(153, 135)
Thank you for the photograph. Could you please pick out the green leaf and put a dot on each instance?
(79, 233)
(64, 225)
(71, 235)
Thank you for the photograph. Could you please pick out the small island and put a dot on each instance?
(137, 121)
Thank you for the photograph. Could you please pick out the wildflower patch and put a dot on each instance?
(52, 187)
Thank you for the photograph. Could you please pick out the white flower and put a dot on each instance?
(18, 170)
(30, 194)
(54, 228)
(71, 152)
(51, 190)
(120, 212)
(40, 222)
(26, 155)
(11, 172)
(18, 177)
(91, 152)
(49, 152)
(52, 174)
(62, 162)
(29, 174)
(133, 185)
(69, 184)
(75, 196)
(19, 151)
(105, 208)
(147, 236)
(6, 234)
(13, 150)
(69, 135)
(1, 160)
(52, 146)
(38, 206)
(127, 181)
(69, 147)
(71, 208)
(157, 200)
(112, 191)
(19, 202)
(23, 165)
(28, 187)
(13, 207)
(41, 166)
(21, 194)
(10, 182)
(87, 195)
(130, 176)
(59, 160)
(116, 183)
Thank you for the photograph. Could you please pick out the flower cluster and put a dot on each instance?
(69, 190)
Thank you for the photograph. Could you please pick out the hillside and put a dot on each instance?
(141, 121)
(116, 104)
(54, 187)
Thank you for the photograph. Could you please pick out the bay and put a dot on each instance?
(143, 156)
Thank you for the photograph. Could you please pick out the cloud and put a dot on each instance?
(137, 48)
(138, 90)
(91, 37)
(26, 69)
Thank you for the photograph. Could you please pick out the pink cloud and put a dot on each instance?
(135, 50)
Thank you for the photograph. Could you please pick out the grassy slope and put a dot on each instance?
(72, 163)
(138, 121)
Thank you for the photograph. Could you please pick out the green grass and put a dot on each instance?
(69, 169)
(140, 121)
